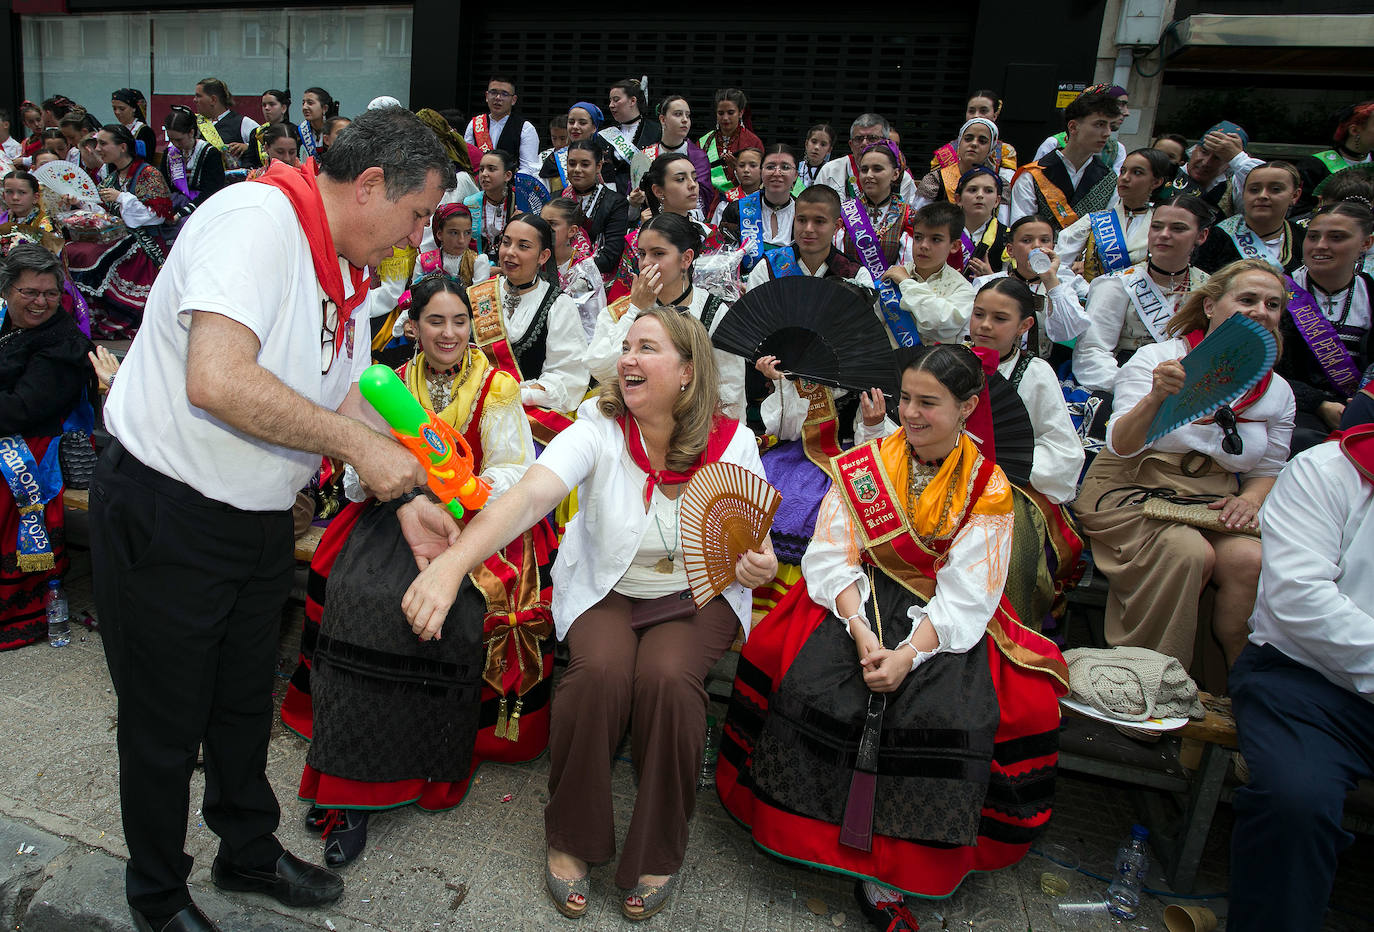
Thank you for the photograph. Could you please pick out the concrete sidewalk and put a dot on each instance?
(478, 866)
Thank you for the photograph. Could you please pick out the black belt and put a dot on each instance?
(125, 463)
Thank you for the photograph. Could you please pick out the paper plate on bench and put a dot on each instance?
(1150, 724)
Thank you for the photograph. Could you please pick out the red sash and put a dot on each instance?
(481, 132)
(489, 334)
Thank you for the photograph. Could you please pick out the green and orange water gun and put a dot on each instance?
(446, 456)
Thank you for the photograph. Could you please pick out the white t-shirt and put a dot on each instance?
(244, 255)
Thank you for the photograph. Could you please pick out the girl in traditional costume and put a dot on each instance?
(129, 112)
(318, 107)
(666, 245)
(1131, 307)
(1262, 229)
(394, 721)
(604, 210)
(584, 119)
(819, 143)
(765, 215)
(880, 175)
(118, 276)
(575, 256)
(494, 204)
(669, 187)
(194, 169)
(1110, 240)
(932, 752)
(276, 108)
(1157, 567)
(723, 143)
(675, 121)
(977, 147)
(987, 105)
(984, 243)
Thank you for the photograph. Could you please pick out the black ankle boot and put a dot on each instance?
(347, 836)
(316, 818)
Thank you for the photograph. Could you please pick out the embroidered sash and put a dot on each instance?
(489, 334)
(1110, 239)
(176, 171)
(33, 485)
(481, 131)
(1334, 161)
(782, 262)
(820, 430)
(1052, 196)
(560, 162)
(619, 143)
(751, 229)
(308, 141)
(719, 179)
(1153, 309)
(1322, 340)
(870, 253)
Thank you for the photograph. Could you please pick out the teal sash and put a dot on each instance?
(751, 229)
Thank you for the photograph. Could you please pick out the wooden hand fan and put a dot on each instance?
(725, 510)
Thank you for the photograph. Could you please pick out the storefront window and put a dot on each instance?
(355, 53)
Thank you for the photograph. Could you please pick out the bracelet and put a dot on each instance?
(849, 618)
(405, 498)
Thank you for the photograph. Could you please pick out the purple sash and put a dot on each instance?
(176, 170)
(870, 252)
(1321, 338)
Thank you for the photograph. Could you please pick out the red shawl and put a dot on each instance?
(722, 432)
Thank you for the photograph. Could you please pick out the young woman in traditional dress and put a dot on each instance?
(575, 256)
(1262, 228)
(318, 107)
(1130, 308)
(584, 119)
(900, 657)
(666, 247)
(880, 178)
(604, 209)
(194, 169)
(1158, 568)
(669, 186)
(979, 194)
(129, 112)
(494, 204)
(117, 276)
(276, 108)
(988, 106)
(977, 146)
(394, 721)
(723, 143)
(627, 455)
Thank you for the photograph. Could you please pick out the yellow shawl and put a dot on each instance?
(467, 386)
(961, 464)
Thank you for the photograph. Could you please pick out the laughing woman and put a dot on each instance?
(627, 455)
(407, 726)
(901, 657)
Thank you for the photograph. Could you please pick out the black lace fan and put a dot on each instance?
(819, 330)
(1013, 432)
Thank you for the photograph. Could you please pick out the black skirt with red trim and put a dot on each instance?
(966, 761)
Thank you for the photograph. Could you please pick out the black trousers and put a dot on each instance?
(189, 593)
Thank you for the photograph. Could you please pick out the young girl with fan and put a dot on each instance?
(408, 725)
(627, 455)
(1158, 568)
(1003, 313)
(574, 254)
(901, 633)
(666, 246)
(1130, 308)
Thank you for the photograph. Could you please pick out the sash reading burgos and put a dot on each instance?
(619, 143)
(33, 486)
(1153, 309)
(1110, 239)
(481, 131)
(870, 252)
(751, 229)
(1321, 338)
(489, 334)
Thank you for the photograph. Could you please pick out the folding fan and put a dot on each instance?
(64, 178)
(1224, 366)
(818, 329)
(724, 511)
(1013, 433)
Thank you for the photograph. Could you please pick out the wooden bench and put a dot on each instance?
(79, 500)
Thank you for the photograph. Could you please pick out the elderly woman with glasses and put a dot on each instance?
(1158, 567)
(43, 369)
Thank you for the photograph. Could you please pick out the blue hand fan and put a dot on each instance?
(530, 193)
(1223, 367)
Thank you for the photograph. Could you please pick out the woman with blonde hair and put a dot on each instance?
(639, 650)
(1158, 567)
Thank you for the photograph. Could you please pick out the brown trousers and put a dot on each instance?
(1157, 568)
(654, 682)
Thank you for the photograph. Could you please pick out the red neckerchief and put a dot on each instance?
(303, 191)
(722, 431)
(1194, 337)
(1357, 444)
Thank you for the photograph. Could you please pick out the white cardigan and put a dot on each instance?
(604, 535)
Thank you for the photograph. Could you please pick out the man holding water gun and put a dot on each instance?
(244, 374)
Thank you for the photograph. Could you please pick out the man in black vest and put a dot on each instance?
(501, 128)
(216, 104)
(1070, 182)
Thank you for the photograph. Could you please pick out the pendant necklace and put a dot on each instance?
(665, 564)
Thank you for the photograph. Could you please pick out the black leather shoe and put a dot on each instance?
(346, 837)
(291, 881)
(189, 919)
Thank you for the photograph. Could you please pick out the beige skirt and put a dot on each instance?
(1157, 568)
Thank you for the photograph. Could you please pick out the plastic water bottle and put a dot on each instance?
(1039, 262)
(707, 778)
(59, 627)
(1132, 860)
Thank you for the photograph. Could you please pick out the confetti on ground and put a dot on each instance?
(507, 798)
(329, 924)
(817, 906)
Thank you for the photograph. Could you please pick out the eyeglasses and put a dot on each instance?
(1226, 420)
(33, 294)
(865, 139)
(499, 95)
